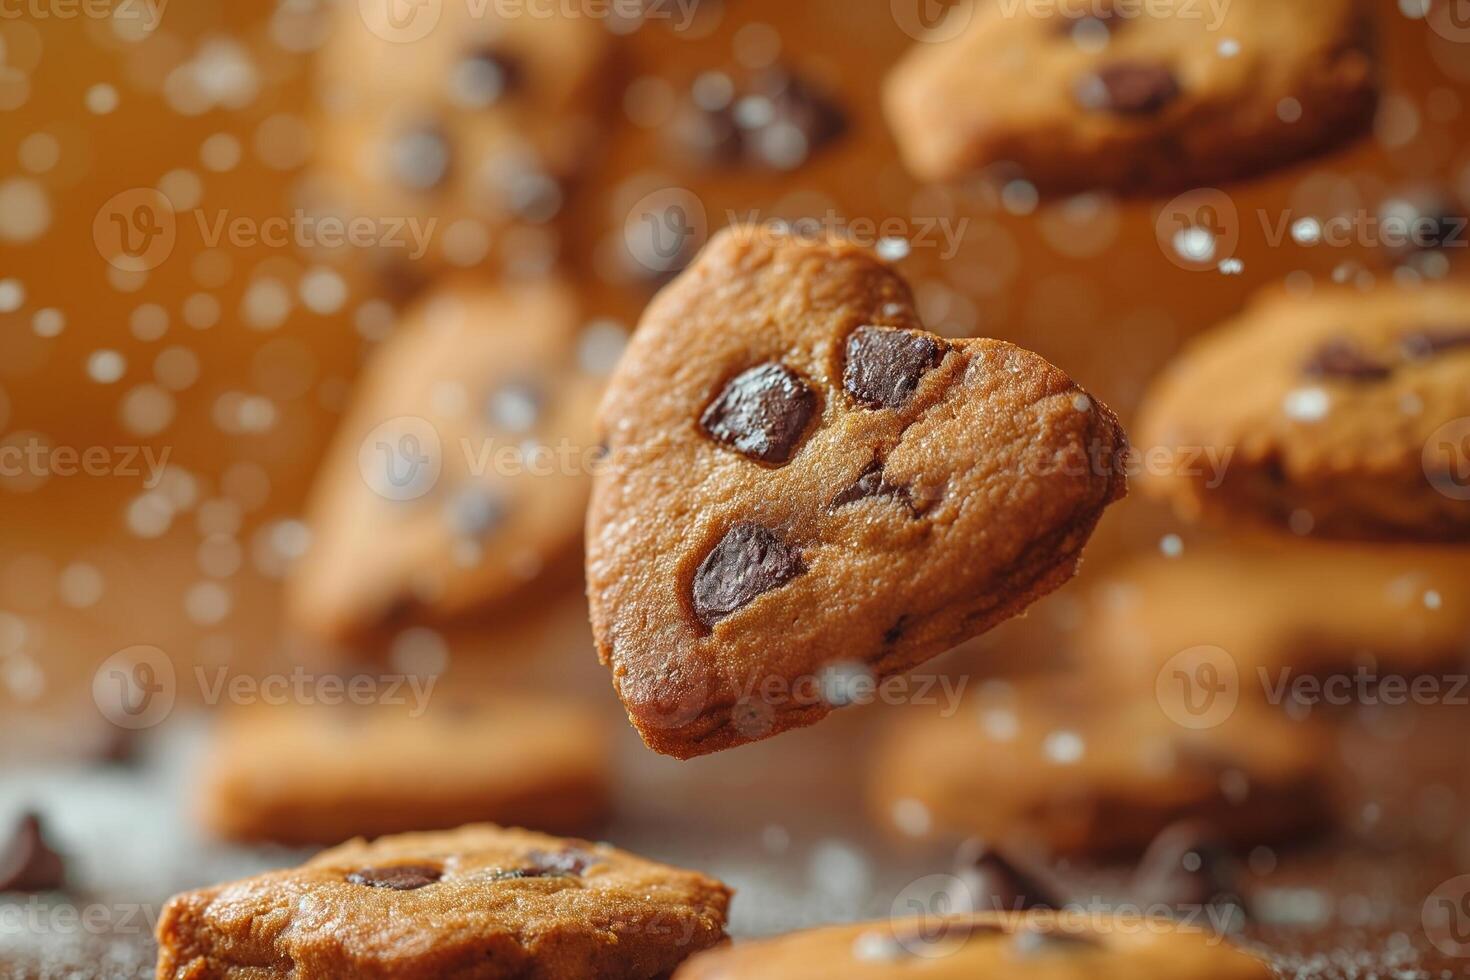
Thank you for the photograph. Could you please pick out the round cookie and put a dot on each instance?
(803, 486)
(1076, 768)
(1306, 609)
(479, 902)
(1343, 413)
(458, 121)
(1036, 945)
(1133, 97)
(462, 468)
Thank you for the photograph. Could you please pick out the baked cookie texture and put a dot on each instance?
(1344, 413)
(303, 774)
(1080, 767)
(1143, 98)
(480, 902)
(462, 468)
(469, 119)
(1310, 609)
(1039, 944)
(801, 483)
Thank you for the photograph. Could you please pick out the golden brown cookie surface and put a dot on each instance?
(801, 480)
(1342, 413)
(1134, 97)
(481, 901)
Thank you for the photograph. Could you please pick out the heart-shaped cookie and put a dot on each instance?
(805, 492)
(461, 471)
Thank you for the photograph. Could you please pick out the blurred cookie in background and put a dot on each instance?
(1134, 98)
(1074, 768)
(318, 774)
(461, 123)
(461, 471)
(1279, 612)
(1343, 413)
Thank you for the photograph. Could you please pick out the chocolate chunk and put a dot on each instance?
(998, 884)
(871, 484)
(1341, 358)
(1425, 343)
(1047, 942)
(419, 157)
(762, 413)
(749, 561)
(1187, 867)
(1130, 88)
(27, 862)
(884, 365)
(485, 77)
(400, 878)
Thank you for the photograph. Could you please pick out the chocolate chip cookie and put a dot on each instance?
(479, 902)
(802, 483)
(1134, 97)
(1294, 609)
(1072, 767)
(454, 128)
(312, 774)
(1342, 414)
(1043, 945)
(462, 469)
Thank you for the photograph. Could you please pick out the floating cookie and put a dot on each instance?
(1073, 768)
(1041, 944)
(462, 469)
(1343, 414)
(301, 774)
(1135, 97)
(477, 902)
(802, 484)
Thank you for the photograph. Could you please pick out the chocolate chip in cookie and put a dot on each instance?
(762, 413)
(885, 365)
(27, 862)
(1129, 88)
(997, 883)
(420, 157)
(749, 561)
(1422, 344)
(789, 119)
(1341, 358)
(872, 483)
(399, 878)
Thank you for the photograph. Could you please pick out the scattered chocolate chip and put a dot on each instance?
(749, 561)
(1130, 88)
(485, 77)
(1341, 358)
(1429, 342)
(1044, 942)
(997, 883)
(419, 157)
(885, 365)
(871, 484)
(1187, 867)
(27, 862)
(400, 878)
(762, 413)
